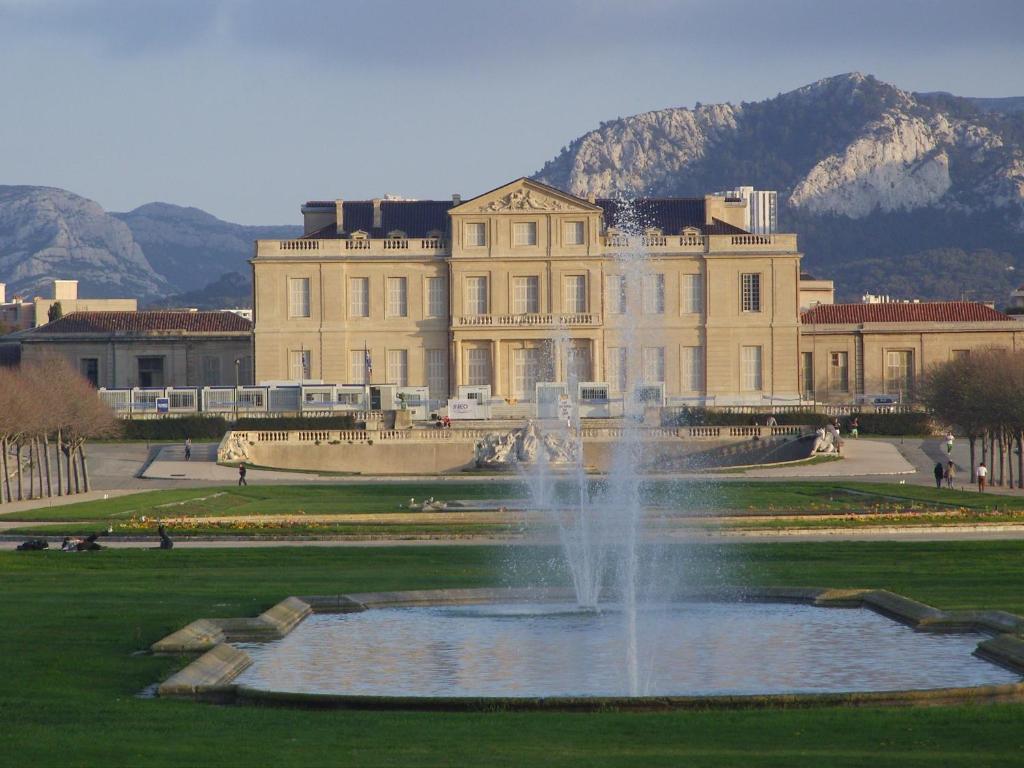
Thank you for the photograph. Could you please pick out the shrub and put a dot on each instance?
(295, 422)
(175, 428)
(916, 423)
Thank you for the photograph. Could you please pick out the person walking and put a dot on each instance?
(949, 443)
(939, 473)
(188, 448)
(854, 427)
(982, 475)
(241, 474)
(950, 473)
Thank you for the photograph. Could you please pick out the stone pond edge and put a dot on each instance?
(210, 676)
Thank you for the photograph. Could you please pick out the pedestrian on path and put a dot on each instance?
(188, 448)
(950, 473)
(939, 473)
(982, 474)
(854, 427)
(241, 474)
(949, 443)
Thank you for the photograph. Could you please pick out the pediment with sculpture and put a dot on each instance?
(524, 196)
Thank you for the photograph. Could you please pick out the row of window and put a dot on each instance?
(524, 233)
(525, 295)
(531, 365)
(899, 371)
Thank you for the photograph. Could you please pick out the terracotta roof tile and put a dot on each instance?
(923, 312)
(142, 322)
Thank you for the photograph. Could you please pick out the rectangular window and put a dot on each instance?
(899, 371)
(298, 297)
(478, 366)
(359, 297)
(839, 372)
(692, 365)
(573, 233)
(90, 369)
(476, 234)
(524, 233)
(398, 297)
(617, 294)
(575, 288)
(525, 371)
(654, 294)
(578, 362)
(299, 364)
(476, 296)
(807, 374)
(211, 370)
(357, 367)
(151, 371)
(959, 353)
(654, 365)
(437, 297)
(398, 367)
(751, 361)
(692, 300)
(616, 368)
(526, 295)
(750, 292)
(437, 373)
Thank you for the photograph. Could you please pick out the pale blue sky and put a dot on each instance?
(245, 108)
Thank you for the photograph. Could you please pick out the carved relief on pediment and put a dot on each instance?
(525, 200)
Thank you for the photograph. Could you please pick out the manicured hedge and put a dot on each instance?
(176, 428)
(295, 422)
(214, 427)
(890, 423)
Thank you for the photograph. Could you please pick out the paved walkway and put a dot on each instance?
(859, 458)
(169, 464)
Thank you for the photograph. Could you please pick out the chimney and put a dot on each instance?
(66, 290)
(456, 199)
(592, 198)
(3, 293)
(378, 218)
(339, 216)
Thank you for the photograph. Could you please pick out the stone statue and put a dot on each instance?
(823, 441)
(526, 445)
(235, 450)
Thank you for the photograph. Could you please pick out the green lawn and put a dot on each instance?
(697, 498)
(72, 627)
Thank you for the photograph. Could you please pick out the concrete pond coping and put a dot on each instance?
(210, 676)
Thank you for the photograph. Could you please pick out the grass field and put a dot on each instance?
(72, 628)
(306, 506)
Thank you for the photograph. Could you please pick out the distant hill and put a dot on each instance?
(232, 289)
(868, 175)
(151, 253)
(192, 248)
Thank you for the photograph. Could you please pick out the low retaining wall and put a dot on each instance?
(441, 451)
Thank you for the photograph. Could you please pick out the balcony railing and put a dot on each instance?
(352, 247)
(743, 243)
(532, 320)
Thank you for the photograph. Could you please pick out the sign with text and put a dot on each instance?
(163, 405)
(463, 408)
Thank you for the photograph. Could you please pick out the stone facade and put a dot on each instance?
(527, 284)
(858, 351)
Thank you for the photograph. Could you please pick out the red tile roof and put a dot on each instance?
(923, 312)
(147, 322)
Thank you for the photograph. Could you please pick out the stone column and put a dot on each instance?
(596, 360)
(457, 372)
(496, 377)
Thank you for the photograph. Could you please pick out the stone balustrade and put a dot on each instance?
(530, 320)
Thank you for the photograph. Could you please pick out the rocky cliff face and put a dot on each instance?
(48, 233)
(848, 145)
(863, 170)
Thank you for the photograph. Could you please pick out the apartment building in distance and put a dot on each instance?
(527, 284)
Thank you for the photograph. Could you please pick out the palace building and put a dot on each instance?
(526, 289)
(525, 285)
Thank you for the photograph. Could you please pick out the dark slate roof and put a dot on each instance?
(145, 322)
(416, 218)
(923, 312)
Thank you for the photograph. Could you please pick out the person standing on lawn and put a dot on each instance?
(982, 475)
(939, 473)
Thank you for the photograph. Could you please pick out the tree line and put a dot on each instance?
(47, 412)
(981, 395)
